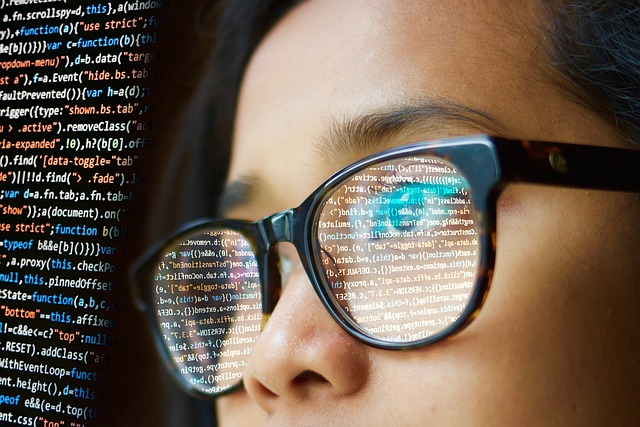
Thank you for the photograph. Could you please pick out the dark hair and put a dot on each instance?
(594, 45)
(195, 149)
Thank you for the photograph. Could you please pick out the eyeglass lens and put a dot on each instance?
(397, 254)
(401, 248)
(208, 307)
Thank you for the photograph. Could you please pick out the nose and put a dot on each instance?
(303, 355)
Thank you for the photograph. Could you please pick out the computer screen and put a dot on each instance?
(79, 85)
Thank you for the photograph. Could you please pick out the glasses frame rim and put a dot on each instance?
(525, 161)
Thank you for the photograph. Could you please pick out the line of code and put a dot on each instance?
(75, 115)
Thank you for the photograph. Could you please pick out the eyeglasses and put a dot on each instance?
(399, 247)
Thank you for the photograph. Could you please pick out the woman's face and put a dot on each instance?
(557, 341)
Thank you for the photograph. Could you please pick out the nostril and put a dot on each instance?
(259, 389)
(308, 377)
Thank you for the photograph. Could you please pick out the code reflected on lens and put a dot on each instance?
(208, 307)
(399, 245)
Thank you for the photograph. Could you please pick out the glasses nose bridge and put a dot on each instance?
(274, 229)
(277, 228)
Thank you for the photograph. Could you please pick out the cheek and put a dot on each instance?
(570, 257)
(568, 236)
(559, 317)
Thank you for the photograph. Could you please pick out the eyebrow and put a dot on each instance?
(237, 193)
(350, 136)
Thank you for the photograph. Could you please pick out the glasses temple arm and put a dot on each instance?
(569, 165)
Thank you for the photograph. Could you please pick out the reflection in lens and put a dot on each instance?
(399, 245)
(207, 304)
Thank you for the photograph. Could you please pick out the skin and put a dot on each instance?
(556, 342)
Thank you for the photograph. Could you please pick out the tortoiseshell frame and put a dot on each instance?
(488, 163)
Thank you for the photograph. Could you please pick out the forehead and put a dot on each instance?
(330, 57)
(328, 60)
